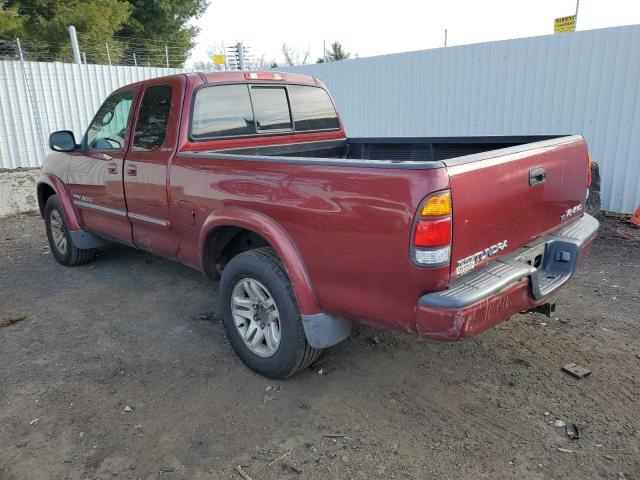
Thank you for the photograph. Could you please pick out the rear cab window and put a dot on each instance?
(240, 110)
(312, 108)
(222, 111)
(271, 108)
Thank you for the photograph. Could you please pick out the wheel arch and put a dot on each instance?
(222, 226)
(49, 185)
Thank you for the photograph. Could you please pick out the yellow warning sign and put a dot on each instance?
(218, 59)
(564, 24)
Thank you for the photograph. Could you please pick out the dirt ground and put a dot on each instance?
(120, 370)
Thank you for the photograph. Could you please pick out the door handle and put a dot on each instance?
(132, 170)
(112, 168)
(537, 175)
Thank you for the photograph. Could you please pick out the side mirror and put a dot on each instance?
(62, 141)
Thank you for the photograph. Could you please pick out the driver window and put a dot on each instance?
(108, 129)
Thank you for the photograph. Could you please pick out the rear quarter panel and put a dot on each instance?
(351, 226)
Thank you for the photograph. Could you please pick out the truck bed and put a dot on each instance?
(498, 198)
(397, 149)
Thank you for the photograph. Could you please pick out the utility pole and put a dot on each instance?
(74, 45)
(445, 37)
(135, 61)
(84, 58)
(324, 51)
(106, 44)
(240, 47)
(166, 54)
(576, 20)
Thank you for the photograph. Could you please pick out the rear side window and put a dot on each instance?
(271, 108)
(151, 127)
(312, 108)
(222, 111)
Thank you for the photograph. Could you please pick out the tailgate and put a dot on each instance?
(505, 198)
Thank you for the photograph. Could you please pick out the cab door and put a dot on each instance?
(95, 173)
(146, 165)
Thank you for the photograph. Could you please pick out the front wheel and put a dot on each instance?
(59, 238)
(261, 317)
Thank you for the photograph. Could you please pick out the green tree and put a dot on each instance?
(156, 23)
(143, 27)
(11, 22)
(336, 53)
(44, 25)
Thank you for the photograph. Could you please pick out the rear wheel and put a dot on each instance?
(59, 238)
(261, 317)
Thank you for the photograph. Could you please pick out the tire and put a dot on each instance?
(262, 267)
(60, 241)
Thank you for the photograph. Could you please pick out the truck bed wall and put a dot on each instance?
(427, 149)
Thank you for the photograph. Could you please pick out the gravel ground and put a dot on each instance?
(121, 370)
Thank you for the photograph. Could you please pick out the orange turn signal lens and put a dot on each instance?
(437, 205)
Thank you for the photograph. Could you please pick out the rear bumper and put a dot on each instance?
(517, 282)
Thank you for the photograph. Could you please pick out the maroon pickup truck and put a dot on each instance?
(250, 178)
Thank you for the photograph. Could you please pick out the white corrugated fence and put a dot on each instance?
(38, 98)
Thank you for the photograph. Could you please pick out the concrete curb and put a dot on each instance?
(18, 192)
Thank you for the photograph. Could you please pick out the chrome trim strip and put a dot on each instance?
(100, 208)
(136, 217)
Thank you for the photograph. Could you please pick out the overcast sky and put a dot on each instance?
(374, 27)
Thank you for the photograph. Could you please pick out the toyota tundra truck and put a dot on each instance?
(250, 178)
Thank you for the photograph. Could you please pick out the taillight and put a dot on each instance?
(431, 239)
(432, 233)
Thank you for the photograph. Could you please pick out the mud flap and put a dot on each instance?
(85, 240)
(323, 331)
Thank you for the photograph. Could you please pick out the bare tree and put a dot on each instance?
(261, 63)
(288, 53)
(293, 57)
(202, 65)
(305, 57)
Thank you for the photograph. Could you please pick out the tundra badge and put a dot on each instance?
(82, 198)
(572, 211)
(469, 263)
